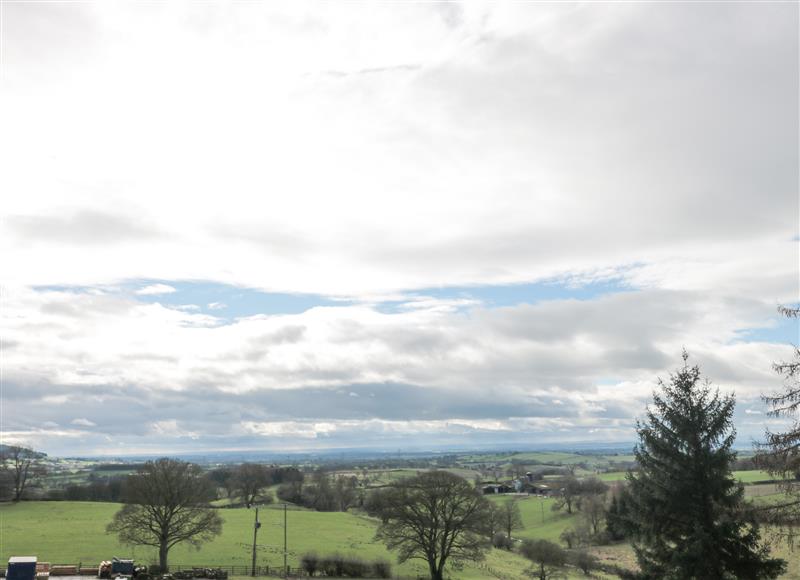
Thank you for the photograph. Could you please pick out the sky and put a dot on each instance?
(283, 226)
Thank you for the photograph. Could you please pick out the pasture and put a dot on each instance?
(540, 521)
(73, 532)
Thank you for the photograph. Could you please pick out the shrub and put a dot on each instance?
(570, 538)
(576, 537)
(332, 565)
(583, 560)
(500, 540)
(547, 557)
(354, 568)
(339, 566)
(310, 563)
(381, 569)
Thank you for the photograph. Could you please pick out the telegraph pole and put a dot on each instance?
(285, 565)
(256, 525)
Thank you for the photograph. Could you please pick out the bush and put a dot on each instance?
(339, 566)
(583, 560)
(576, 537)
(570, 538)
(381, 569)
(500, 540)
(332, 565)
(354, 568)
(310, 563)
(547, 557)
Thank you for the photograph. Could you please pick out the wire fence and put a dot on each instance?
(233, 570)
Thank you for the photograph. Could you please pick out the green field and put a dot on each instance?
(540, 521)
(746, 477)
(753, 476)
(73, 532)
(612, 476)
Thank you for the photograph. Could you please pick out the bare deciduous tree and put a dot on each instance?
(167, 503)
(510, 517)
(435, 516)
(249, 481)
(22, 465)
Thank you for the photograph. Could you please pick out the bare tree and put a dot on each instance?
(249, 481)
(548, 557)
(593, 509)
(510, 517)
(22, 466)
(494, 521)
(346, 492)
(435, 516)
(167, 503)
(569, 494)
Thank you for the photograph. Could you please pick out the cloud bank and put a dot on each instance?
(283, 226)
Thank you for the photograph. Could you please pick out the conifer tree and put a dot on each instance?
(617, 514)
(685, 508)
(780, 454)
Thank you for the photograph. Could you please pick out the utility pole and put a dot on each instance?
(256, 525)
(285, 565)
(542, 504)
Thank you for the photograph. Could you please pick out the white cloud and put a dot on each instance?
(169, 428)
(83, 422)
(525, 142)
(508, 143)
(155, 289)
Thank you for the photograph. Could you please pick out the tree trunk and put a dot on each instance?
(436, 573)
(163, 549)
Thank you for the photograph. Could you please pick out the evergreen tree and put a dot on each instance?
(780, 454)
(685, 507)
(617, 515)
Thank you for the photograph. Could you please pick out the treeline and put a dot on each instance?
(117, 467)
(110, 489)
(324, 492)
(248, 482)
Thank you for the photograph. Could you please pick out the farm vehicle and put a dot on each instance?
(119, 568)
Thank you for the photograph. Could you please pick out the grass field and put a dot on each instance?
(73, 532)
(622, 555)
(746, 477)
(612, 476)
(540, 521)
(753, 476)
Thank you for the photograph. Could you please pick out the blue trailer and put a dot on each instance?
(121, 567)
(21, 568)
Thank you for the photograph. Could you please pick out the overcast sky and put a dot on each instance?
(290, 226)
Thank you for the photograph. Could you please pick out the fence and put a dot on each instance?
(275, 571)
(233, 570)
